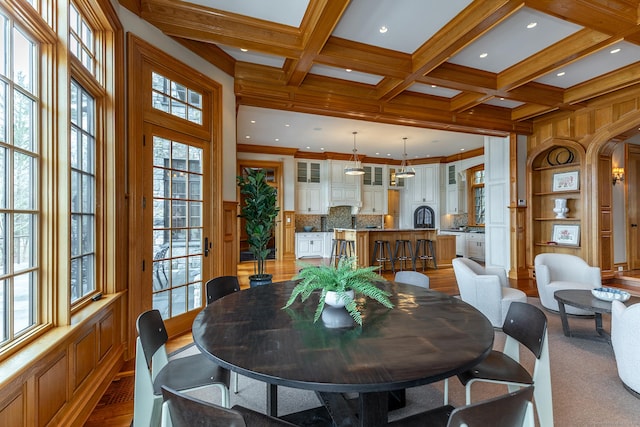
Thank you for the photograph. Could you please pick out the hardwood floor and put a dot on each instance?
(116, 407)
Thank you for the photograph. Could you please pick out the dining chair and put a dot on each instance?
(217, 288)
(510, 410)
(524, 325)
(221, 286)
(412, 278)
(154, 369)
(181, 410)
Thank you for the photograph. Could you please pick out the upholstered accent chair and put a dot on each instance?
(625, 340)
(486, 288)
(564, 271)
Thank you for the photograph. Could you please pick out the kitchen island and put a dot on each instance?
(445, 246)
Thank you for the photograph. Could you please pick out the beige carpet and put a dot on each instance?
(586, 387)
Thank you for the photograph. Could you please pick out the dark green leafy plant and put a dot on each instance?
(342, 278)
(259, 211)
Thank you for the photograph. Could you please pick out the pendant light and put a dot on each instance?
(405, 171)
(354, 167)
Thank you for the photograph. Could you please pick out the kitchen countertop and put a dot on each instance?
(457, 230)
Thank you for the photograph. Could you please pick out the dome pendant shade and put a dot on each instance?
(405, 171)
(354, 167)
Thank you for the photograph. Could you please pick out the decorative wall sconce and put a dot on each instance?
(618, 175)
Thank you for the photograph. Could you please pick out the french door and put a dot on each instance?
(176, 213)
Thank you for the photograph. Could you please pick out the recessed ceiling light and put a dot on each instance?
(277, 139)
(484, 55)
(247, 137)
(434, 86)
(348, 70)
(501, 99)
(244, 50)
(560, 74)
(616, 50)
(388, 154)
(462, 149)
(377, 154)
(253, 121)
(532, 25)
(287, 125)
(383, 29)
(308, 148)
(321, 148)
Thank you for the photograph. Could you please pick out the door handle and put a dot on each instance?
(207, 246)
(634, 225)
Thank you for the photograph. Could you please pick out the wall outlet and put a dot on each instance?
(619, 268)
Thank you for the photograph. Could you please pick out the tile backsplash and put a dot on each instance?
(338, 217)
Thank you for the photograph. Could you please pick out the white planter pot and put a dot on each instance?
(332, 298)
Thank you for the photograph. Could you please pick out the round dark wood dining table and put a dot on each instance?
(428, 336)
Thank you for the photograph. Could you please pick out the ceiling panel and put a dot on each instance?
(423, 75)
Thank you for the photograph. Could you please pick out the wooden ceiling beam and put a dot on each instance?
(619, 79)
(369, 59)
(471, 23)
(189, 21)
(609, 17)
(211, 53)
(566, 51)
(317, 26)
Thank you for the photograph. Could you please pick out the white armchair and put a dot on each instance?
(625, 340)
(486, 288)
(564, 271)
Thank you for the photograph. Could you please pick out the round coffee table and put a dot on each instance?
(581, 298)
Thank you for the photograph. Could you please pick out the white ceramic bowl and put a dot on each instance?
(610, 294)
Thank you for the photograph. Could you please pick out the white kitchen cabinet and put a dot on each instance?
(310, 200)
(310, 245)
(373, 201)
(455, 190)
(475, 246)
(311, 188)
(344, 189)
(373, 176)
(309, 172)
(424, 186)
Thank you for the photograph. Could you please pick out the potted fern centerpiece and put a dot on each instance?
(339, 285)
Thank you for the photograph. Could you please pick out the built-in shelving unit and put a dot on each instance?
(556, 173)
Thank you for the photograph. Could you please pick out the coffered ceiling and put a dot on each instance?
(441, 73)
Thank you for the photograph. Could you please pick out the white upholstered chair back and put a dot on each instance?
(563, 271)
(625, 340)
(486, 288)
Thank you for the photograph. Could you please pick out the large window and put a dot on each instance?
(82, 151)
(56, 131)
(19, 161)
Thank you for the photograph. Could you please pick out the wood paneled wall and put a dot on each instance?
(60, 378)
(229, 238)
(595, 126)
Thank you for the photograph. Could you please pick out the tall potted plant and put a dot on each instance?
(259, 211)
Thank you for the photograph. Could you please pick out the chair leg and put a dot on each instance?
(446, 391)
(235, 382)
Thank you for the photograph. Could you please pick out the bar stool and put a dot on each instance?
(336, 247)
(425, 252)
(382, 254)
(347, 248)
(404, 253)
